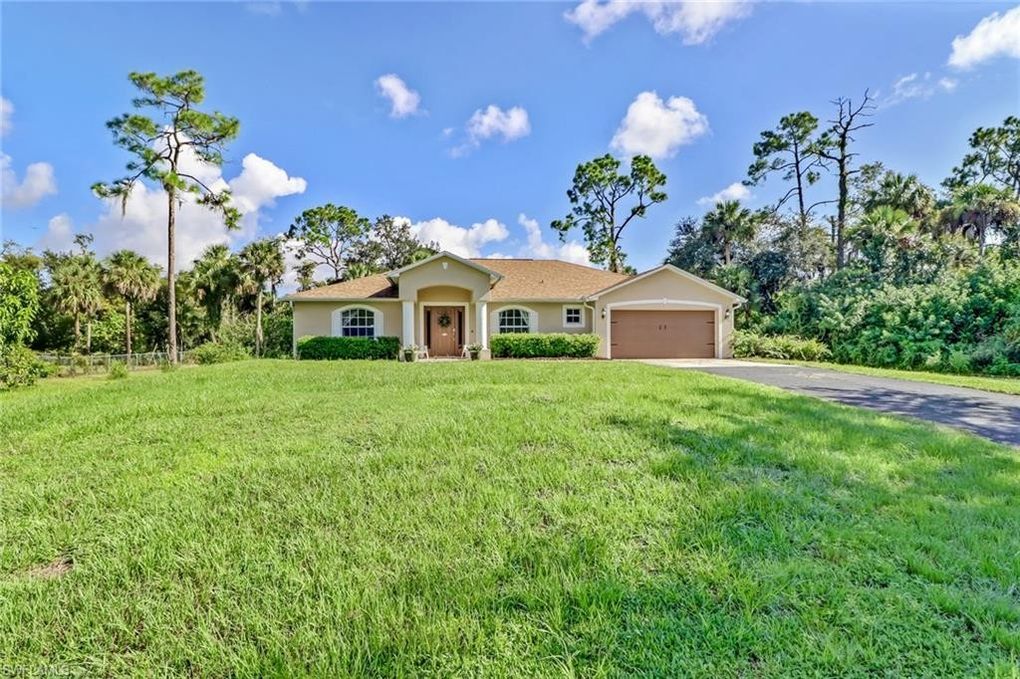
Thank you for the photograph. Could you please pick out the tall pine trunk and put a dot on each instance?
(258, 324)
(843, 197)
(127, 328)
(171, 293)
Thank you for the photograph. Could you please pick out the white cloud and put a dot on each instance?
(494, 122)
(658, 129)
(735, 191)
(696, 21)
(59, 234)
(266, 8)
(6, 116)
(261, 183)
(142, 224)
(403, 100)
(995, 35)
(460, 240)
(38, 183)
(537, 247)
(917, 86)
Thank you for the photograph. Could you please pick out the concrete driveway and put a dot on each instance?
(988, 414)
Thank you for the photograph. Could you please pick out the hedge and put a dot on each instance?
(348, 348)
(213, 352)
(786, 347)
(543, 345)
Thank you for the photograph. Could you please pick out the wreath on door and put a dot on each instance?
(444, 320)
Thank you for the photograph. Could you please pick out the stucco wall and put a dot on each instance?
(315, 318)
(548, 316)
(443, 293)
(433, 274)
(683, 292)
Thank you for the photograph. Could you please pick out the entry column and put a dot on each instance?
(482, 309)
(408, 322)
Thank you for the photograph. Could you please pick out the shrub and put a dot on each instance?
(19, 367)
(216, 352)
(786, 347)
(958, 320)
(959, 361)
(348, 348)
(543, 345)
(118, 371)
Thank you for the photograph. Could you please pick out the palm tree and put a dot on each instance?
(977, 209)
(729, 224)
(77, 290)
(262, 262)
(215, 279)
(883, 229)
(136, 280)
(903, 192)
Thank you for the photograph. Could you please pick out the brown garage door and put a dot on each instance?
(663, 334)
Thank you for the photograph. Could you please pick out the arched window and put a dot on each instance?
(356, 322)
(514, 320)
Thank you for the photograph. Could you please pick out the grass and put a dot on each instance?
(494, 519)
(1002, 385)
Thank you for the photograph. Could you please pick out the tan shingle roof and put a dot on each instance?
(552, 279)
(523, 279)
(369, 287)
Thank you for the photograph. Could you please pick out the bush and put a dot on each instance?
(348, 348)
(785, 347)
(19, 367)
(543, 345)
(118, 371)
(962, 321)
(216, 352)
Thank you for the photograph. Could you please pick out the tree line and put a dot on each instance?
(81, 303)
(818, 260)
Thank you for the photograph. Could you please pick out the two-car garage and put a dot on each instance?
(665, 313)
(662, 334)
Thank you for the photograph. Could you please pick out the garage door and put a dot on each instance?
(662, 334)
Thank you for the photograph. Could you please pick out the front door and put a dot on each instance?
(444, 325)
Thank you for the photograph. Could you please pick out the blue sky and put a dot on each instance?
(316, 127)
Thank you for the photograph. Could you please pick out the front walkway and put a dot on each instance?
(988, 414)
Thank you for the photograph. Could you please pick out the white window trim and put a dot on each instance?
(580, 308)
(532, 318)
(336, 329)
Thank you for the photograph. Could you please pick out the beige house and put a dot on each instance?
(446, 303)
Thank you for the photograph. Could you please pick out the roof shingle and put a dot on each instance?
(537, 279)
(523, 279)
(375, 286)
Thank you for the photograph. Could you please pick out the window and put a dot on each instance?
(357, 323)
(573, 316)
(514, 320)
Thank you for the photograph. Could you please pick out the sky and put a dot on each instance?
(469, 119)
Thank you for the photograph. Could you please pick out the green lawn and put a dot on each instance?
(1003, 385)
(494, 519)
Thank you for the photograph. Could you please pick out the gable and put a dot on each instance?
(668, 282)
(443, 270)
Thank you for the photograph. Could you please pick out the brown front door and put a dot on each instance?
(444, 326)
(662, 334)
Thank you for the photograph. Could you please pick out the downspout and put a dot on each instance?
(586, 305)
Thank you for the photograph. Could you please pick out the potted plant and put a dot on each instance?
(474, 350)
(410, 354)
